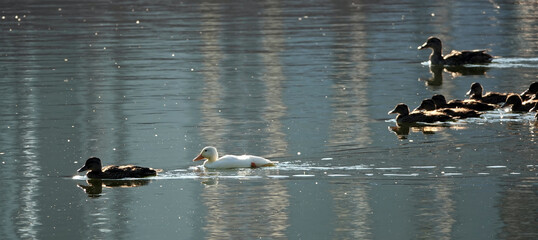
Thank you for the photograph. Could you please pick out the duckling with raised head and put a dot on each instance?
(455, 57)
(476, 90)
(514, 100)
(95, 170)
(428, 117)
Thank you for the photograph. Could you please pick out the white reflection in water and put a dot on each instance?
(234, 209)
(273, 77)
(349, 122)
(100, 220)
(241, 210)
(28, 218)
(212, 90)
(435, 209)
(518, 204)
(353, 211)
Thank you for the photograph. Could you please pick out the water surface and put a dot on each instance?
(308, 84)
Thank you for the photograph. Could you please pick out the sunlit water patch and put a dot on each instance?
(502, 63)
(514, 63)
(297, 169)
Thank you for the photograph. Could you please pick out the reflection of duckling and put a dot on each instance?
(457, 71)
(455, 57)
(531, 92)
(401, 131)
(517, 104)
(95, 186)
(405, 117)
(440, 102)
(95, 170)
(490, 97)
(429, 105)
(437, 76)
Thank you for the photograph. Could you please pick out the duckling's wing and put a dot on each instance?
(476, 105)
(494, 97)
(128, 171)
(242, 161)
(468, 57)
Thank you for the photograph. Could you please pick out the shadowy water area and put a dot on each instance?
(307, 84)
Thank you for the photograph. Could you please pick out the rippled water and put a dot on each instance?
(307, 84)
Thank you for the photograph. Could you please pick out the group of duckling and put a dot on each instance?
(437, 109)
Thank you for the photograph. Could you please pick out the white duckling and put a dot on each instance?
(231, 161)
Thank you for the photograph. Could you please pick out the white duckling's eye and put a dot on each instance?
(205, 150)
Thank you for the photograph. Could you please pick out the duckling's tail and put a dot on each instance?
(272, 164)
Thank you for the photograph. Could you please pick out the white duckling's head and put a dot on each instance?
(209, 153)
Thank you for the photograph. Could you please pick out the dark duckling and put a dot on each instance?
(425, 105)
(490, 97)
(455, 57)
(531, 92)
(95, 170)
(459, 113)
(517, 104)
(440, 102)
(428, 117)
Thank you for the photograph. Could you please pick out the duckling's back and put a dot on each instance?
(467, 57)
(127, 171)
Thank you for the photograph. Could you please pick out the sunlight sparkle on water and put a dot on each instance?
(496, 166)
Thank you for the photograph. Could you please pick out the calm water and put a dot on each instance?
(307, 84)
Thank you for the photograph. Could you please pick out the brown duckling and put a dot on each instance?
(531, 92)
(425, 105)
(429, 117)
(440, 102)
(455, 57)
(490, 97)
(517, 104)
(95, 170)
(459, 113)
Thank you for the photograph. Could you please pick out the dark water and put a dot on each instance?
(308, 84)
